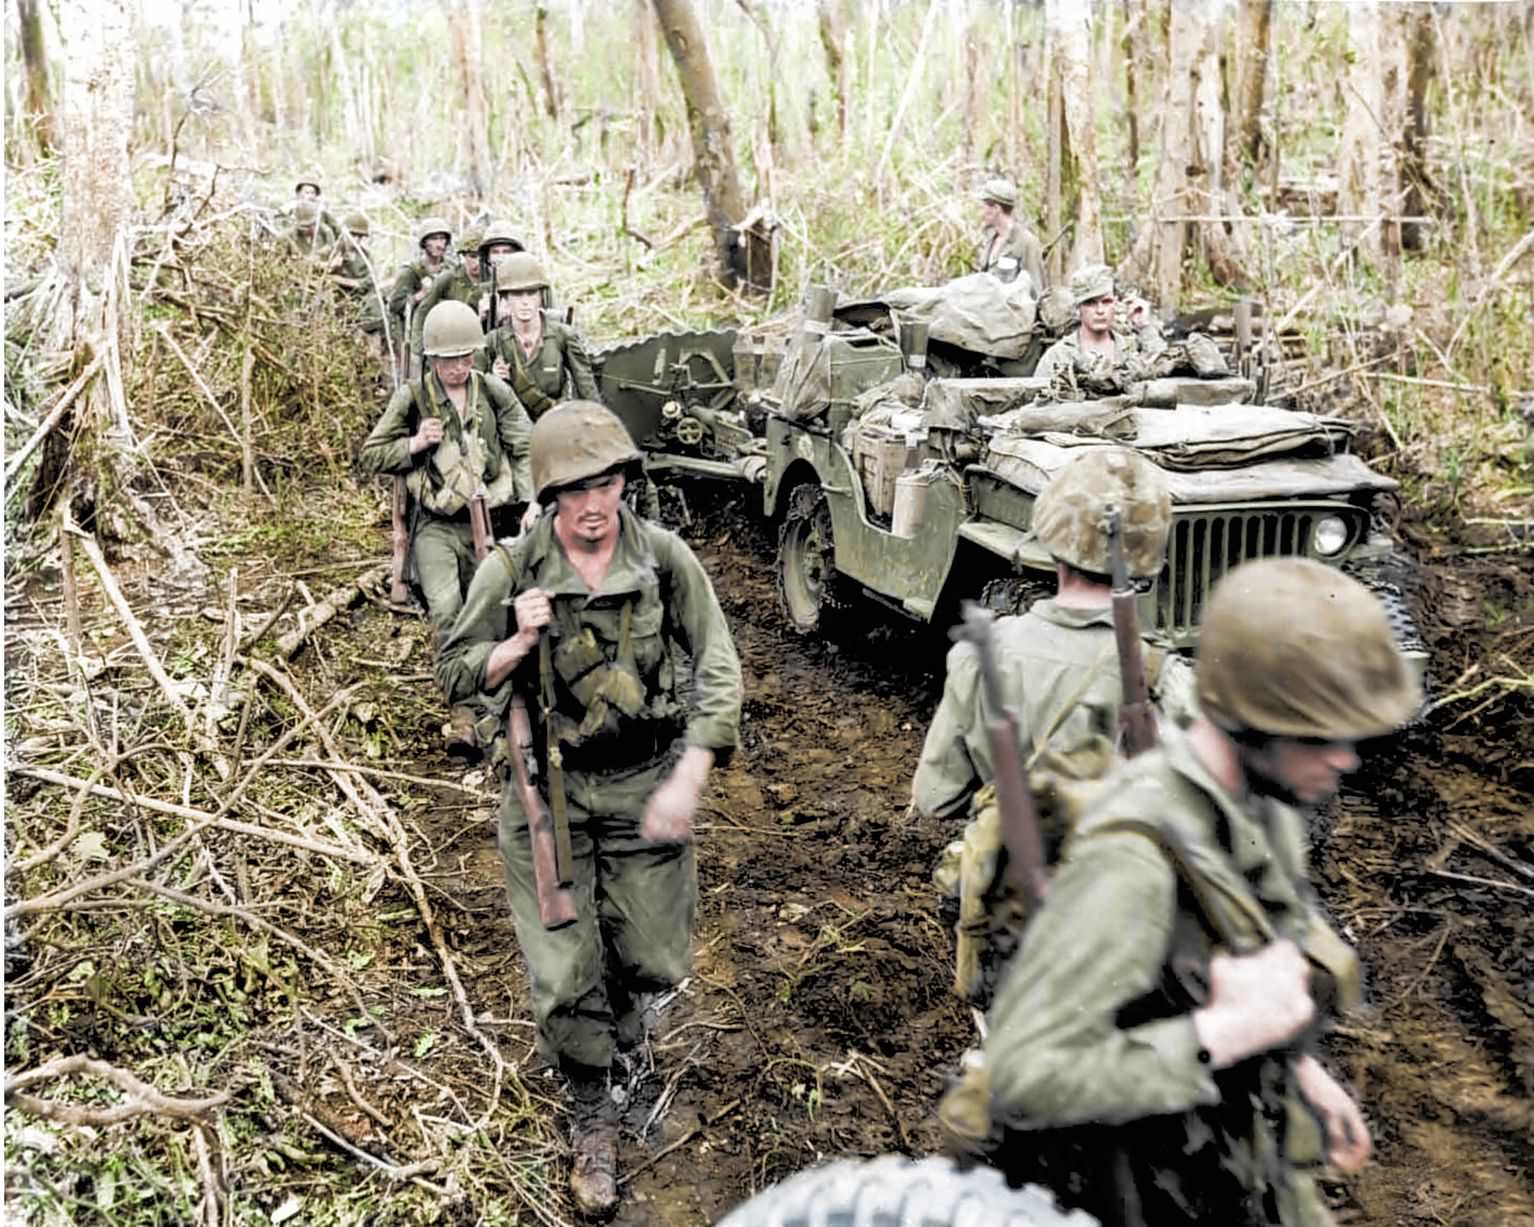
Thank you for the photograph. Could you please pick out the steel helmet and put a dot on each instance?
(498, 231)
(451, 330)
(1068, 518)
(1291, 647)
(356, 222)
(312, 179)
(999, 191)
(1093, 281)
(576, 440)
(306, 213)
(468, 243)
(430, 226)
(520, 271)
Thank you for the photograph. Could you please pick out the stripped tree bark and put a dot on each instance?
(833, 37)
(1363, 179)
(1069, 32)
(545, 63)
(744, 254)
(1254, 31)
(34, 57)
(464, 23)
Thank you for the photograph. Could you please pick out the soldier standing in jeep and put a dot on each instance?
(1008, 249)
(1152, 1050)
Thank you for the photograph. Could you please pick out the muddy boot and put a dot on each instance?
(462, 741)
(593, 1146)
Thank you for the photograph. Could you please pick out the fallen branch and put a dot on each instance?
(143, 1099)
(1519, 250)
(61, 406)
(260, 633)
(315, 616)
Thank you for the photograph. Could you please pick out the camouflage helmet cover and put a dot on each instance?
(468, 243)
(576, 440)
(451, 330)
(999, 191)
(430, 226)
(356, 222)
(1068, 517)
(520, 271)
(1093, 281)
(1291, 647)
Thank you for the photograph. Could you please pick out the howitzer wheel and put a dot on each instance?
(894, 1191)
(812, 592)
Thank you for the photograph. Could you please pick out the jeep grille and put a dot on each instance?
(1202, 548)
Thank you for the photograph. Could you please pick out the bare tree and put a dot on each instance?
(745, 252)
(1254, 31)
(464, 22)
(39, 87)
(1419, 190)
(1068, 25)
(833, 37)
(1365, 162)
(545, 64)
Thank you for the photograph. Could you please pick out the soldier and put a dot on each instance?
(1008, 249)
(1059, 668)
(308, 236)
(1155, 1034)
(586, 616)
(352, 271)
(307, 187)
(499, 242)
(455, 434)
(544, 361)
(1098, 356)
(458, 284)
(413, 282)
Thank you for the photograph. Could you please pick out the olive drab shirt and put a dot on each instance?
(410, 278)
(1018, 254)
(1070, 370)
(655, 598)
(484, 450)
(559, 369)
(453, 283)
(1059, 674)
(353, 272)
(1092, 1022)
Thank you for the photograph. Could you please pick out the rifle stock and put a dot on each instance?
(479, 525)
(556, 904)
(399, 543)
(1137, 718)
(1019, 811)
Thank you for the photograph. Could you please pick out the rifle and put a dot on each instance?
(551, 881)
(1019, 812)
(479, 525)
(1137, 718)
(399, 542)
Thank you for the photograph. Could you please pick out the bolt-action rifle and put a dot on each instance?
(399, 541)
(1137, 718)
(1019, 811)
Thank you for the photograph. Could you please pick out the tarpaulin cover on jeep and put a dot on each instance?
(978, 313)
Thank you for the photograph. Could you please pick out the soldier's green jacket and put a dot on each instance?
(505, 432)
(1059, 675)
(1092, 1023)
(320, 243)
(558, 369)
(410, 278)
(672, 604)
(454, 284)
(353, 273)
(1130, 350)
(1020, 252)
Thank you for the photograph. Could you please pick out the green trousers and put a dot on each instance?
(636, 903)
(443, 554)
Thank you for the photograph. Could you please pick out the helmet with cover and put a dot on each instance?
(468, 243)
(1291, 647)
(518, 272)
(1093, 281)
(1069, 516)
(451, 330)
(306, 213)
(577, 440)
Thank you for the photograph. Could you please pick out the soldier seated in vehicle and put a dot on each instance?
(543, 360)
(1008, 249)
(1100, 356)
(1060, 676)
(455, 435)
(1152, 1049)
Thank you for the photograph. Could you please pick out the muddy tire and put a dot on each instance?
(894, 1191)
(814, 596)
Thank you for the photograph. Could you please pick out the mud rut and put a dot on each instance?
(819, 1022)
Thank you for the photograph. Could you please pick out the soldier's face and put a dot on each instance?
(454, 371)
(498, 251)
(588, 513)
(471, 264)
(434, 245)
(521, 305)
(989, 212)
(307, 191)
(1300, 769)
(1097, 314)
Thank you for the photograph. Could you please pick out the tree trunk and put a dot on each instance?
(647, 79)
(1361, 179)
(1134, 17)
(745, 256)
(1254, 29)
(545, 65)
(34, 56)
(833, 37)
(97, 119)
(1069, 33)
(1212, 197)
(464, 22)
(1418, 184)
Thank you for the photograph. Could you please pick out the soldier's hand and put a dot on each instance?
(500, 369)
(667, 817)
(530, 516)
(420, 294)
(533, 611)
(428, 434)
(1256, 1002)
(1139, 312)
(1348, 1144)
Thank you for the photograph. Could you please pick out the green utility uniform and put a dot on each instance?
(1093, 1064)
(318, 244)
(1018, 254)
(455, 284)
(619, 649)
(1073, 372)
(354, 276)
(557, 370)
(485, 451)
(407, 282)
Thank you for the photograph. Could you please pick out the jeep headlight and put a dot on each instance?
(1330, 536)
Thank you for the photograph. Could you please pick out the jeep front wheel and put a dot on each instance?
(810, 590)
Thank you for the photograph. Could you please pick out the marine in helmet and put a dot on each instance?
(351, 270)
(433, 237)
(543, 359)
(1059, 669)
(499, 241)
(1103, 351)
(461, 283)
(306, 188)
(1008, 249)
(307, 234)
(1155, 1036)
(454, 434)
(588, 615)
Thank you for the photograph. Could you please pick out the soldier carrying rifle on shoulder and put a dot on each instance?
(579, 624)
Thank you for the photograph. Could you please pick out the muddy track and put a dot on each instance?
(819, 1021)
